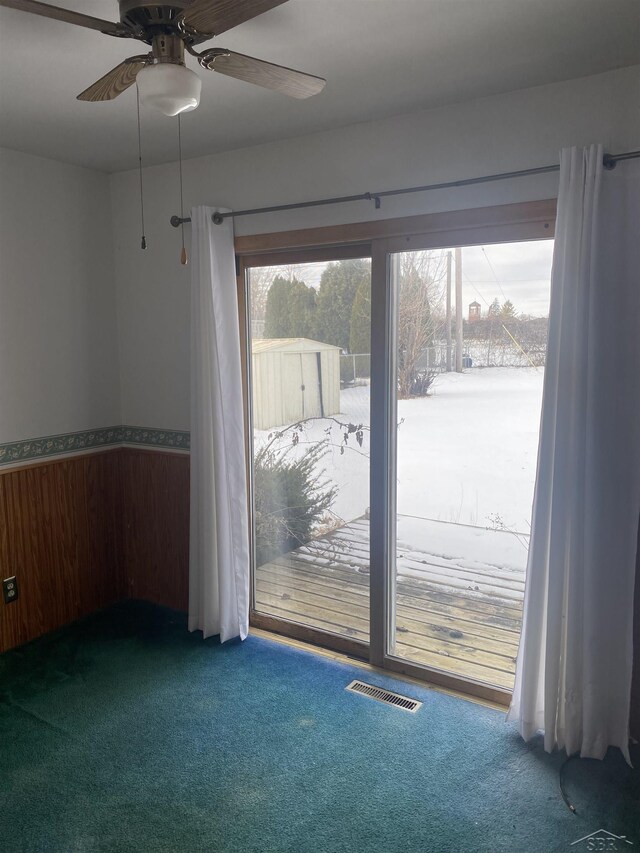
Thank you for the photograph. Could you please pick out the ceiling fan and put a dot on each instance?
(163, 79)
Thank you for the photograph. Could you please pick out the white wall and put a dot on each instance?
(58, 349)
(506, 132)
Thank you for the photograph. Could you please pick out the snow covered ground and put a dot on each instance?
(468, 453)
(466, 457)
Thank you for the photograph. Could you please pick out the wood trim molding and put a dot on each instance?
(448, 225)
(307, 256)
(324, 640)
(449, 681)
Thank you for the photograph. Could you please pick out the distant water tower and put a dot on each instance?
(475, 311)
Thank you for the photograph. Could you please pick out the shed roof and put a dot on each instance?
(289, 345)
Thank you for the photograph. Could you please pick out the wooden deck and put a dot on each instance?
(456, 614)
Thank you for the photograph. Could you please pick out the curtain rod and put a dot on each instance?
(608, 161)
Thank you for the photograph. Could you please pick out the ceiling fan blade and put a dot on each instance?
(115, 81)
(296, 84)
(218, 16)
(66, 15)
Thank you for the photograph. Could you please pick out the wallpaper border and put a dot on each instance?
(32, 449)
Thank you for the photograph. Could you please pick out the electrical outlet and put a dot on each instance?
(10, 589)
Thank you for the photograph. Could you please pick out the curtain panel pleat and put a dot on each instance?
(573, 675)
(219, 529)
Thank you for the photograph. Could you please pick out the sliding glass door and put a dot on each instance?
(309, 379)
(468, 331)
(394, 394)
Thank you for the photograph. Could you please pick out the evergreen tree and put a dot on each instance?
(508, 310)
(290, 309)
(495, 308)
(334, 303)
(360, 333)
(291, 498)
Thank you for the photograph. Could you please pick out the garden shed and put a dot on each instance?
(293, 379)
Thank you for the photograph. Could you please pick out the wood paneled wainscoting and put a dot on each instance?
(83, 532)
(155, 526)
(60, 537)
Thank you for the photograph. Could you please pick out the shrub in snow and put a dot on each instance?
(291, 498)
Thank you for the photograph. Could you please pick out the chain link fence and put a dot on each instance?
(355, 369)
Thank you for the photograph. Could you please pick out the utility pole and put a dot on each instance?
(448, 320)
(458, 310)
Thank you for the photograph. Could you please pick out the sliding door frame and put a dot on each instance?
(275, 624)
(379, 240)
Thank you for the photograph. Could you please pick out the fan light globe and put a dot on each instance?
(169, 87)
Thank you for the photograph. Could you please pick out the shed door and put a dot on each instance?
(310, 362)
(301, 389)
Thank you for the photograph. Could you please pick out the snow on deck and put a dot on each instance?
(457, 608)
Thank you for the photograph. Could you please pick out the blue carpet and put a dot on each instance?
(125, 733)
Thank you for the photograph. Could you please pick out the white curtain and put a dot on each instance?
(573, 675)
(219, 538)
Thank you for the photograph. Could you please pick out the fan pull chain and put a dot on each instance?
(143, 241)
(184, 259)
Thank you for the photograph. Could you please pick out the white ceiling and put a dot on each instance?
(380, 57)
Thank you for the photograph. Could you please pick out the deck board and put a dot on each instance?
(453, 614)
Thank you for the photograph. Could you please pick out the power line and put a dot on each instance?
(484, 252)
(469, 281)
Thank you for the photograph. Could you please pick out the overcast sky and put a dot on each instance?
(516, 271)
